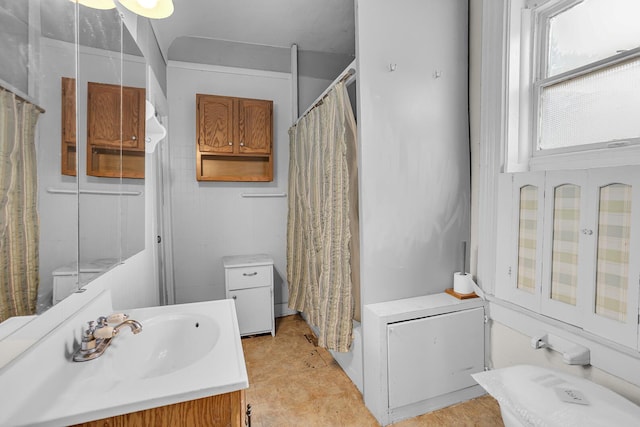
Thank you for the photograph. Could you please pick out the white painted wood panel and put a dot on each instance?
(255, 314)
(433, 356)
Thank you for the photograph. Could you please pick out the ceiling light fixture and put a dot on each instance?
(155, 9)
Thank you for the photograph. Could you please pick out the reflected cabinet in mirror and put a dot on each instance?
(84, 209)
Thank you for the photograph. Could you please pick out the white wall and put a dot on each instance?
(211, 219)
(413, 145)
(309, 88)
(510, 347)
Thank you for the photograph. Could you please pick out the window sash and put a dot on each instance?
(539, 61)
(541, 84)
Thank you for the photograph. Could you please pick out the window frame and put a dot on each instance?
(527, 46)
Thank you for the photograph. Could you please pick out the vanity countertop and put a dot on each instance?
(127, 377)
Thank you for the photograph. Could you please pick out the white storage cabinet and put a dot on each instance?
(249, 282)
(419, 354)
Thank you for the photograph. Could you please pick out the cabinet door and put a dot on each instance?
(254, 308)
(214, 125)
(133, 118)
(103, 115)
(434, 356)
(68, 126)
(254, 126)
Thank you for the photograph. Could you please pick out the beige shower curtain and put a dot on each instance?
(322, 239)
(19, 224)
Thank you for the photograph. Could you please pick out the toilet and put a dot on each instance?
(535, 396)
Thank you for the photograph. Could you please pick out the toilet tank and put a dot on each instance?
(65, 278)
(537, 396)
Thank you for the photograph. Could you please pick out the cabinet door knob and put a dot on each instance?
(230, 143)
(133, 138)
(250, 274)
(242, 144)
(234, 297)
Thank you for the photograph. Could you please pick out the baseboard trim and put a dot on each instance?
(281, 310)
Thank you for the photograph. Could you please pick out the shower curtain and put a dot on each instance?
(322, 238)
(19, 223)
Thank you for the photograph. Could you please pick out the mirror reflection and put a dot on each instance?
(52, 52)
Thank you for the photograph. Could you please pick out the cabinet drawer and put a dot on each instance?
(249, 277)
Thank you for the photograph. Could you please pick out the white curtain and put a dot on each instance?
(19, 223)
(322, 218)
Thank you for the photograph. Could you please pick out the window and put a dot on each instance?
(574, 82)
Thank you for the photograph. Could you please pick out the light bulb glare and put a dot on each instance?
(147, 4)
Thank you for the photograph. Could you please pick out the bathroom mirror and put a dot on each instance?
(111, 207)
(85, 220)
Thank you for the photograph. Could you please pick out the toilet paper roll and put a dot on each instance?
(463, 283)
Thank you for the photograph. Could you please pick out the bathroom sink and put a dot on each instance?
(184, 352)
(168, 343)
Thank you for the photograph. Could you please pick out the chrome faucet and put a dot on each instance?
(97, 338)
(135, 326)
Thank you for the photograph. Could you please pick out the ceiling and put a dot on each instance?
(314, 25)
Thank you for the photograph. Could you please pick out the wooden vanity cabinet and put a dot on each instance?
(223, 410)
(115, 131)
(234, 139)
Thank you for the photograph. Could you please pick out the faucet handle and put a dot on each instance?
(91, 328)
(104, 332)
(88, 340)
(117, 318)
(102, 322)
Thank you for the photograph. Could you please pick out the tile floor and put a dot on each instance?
(294, 383)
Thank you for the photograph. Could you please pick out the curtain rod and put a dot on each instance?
(347, 74)
(18, 94)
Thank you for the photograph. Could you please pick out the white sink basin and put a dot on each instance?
(167, 343)
(184, 352)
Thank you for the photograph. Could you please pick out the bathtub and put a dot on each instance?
(351, 361)
(536, 396)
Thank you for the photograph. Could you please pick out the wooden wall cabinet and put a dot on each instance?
(234, 139)
(115, 138)
(68, 127)
(223, 410)
(115, 122)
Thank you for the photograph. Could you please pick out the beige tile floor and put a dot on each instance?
(294, 383)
